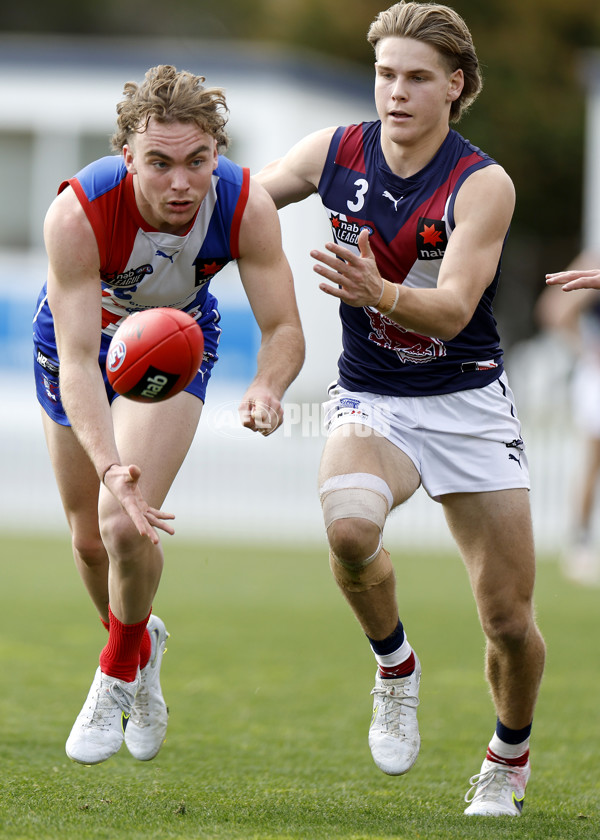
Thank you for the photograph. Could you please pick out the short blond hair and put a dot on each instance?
(170, 95)
(442, 28)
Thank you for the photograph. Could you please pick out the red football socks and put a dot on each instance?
(121, 656)
(145, 647)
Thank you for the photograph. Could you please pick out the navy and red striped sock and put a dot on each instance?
(509, 746)
(394, 655)
(520, 761)
(404, 669)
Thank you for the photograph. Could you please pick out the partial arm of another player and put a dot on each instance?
(483, 210)
(575, 279)
(269, 286)
(74, 295)
(554, 311)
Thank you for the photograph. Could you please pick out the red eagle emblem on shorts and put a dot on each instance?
(411, 348)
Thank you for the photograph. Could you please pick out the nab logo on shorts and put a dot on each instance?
(431, 239)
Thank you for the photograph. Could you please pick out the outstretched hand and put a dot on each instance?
(356, 278)
(123, 484)
(575, 279)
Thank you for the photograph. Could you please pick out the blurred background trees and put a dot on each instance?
(530, 116)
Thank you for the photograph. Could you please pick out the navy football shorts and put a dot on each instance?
(46, 365)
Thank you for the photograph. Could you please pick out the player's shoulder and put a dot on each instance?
(353, 134)
(108, 165)
(356, 143)
(66, 226)
(65, 212)
(100, 177)
(493, 176)
(260, 207)
(487, 192)
(229, 171)
(477, 166)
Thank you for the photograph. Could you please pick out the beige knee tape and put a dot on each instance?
(359, 495)
(359, 578)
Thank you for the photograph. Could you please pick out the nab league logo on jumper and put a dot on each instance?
(128, 278)
(431, 239)
(345, 231)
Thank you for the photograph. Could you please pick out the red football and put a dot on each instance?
(154, 354)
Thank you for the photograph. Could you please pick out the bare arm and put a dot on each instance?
(74, 296)
(483, 211)
(268, 282)
(555, 311)
(295, 176)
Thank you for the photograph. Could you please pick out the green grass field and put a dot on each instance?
(267, 678)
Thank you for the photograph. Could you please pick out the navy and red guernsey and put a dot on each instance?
(410, 222)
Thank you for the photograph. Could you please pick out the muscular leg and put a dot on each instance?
(157, 439)
(494, 534)
(78, 487)
(363, 473)
(99, 527)
(353, 449)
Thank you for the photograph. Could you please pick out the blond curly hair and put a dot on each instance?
(170, 95)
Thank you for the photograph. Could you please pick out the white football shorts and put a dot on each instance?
(464, 442)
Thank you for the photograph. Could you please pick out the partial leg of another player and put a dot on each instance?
(581, 561)
(362, 477)
(494, 534)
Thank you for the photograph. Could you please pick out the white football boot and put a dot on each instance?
(394, 734)
(99, 729)
(498, 790)
(147, 725)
